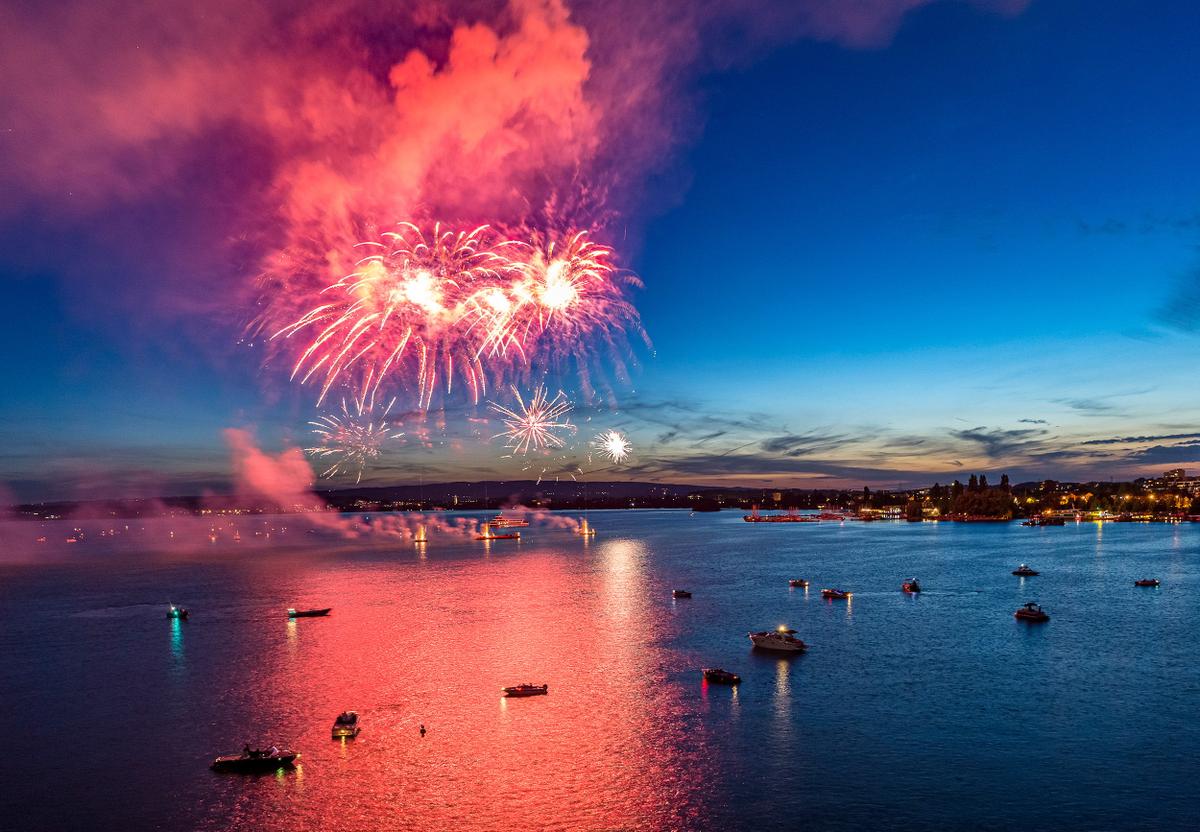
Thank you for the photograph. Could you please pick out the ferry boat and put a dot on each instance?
(781, 640)
(791, 517)
(177, 612)
(798, 583)
(717, 676)
(249, 762)
(1025, 571)
(502, 522)
(836, 594)
(526, 689)
(1031, 612)
(1146, 582)
(911, 586)
(680, 593)
(346, 725)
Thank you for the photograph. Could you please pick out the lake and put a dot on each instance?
(937, 711)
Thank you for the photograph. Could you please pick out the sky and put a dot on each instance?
(883, 243)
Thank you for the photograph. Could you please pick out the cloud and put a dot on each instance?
(802, 444)
(1167, 454)
(1033, 421)
(998, 442)
(1132, 440)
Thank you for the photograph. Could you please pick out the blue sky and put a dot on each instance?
(962, 250)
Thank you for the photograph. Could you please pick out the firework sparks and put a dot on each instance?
(536, 424)
(426, 309)
(402, 309)
(349, 441)
(612, 445)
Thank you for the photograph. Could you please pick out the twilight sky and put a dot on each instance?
(882, 242)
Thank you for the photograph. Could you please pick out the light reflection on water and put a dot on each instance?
(629, 737)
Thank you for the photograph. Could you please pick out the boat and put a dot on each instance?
(584, 529)
(1146, 582)
(251, 762)
(346, 726)
(791, 517)
(911, 586)
(526, 689)
(836, 594)
(1045, 521)
(781, 640)
(798, 583)
(717, 676)
(294, 613)
(1025, 571)
(680, 593)
(486, 533)
(177, 612)
(502, 522)
(1031, 612)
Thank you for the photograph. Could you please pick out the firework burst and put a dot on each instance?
(535, 425)
(401, 311)
(612, 445)
(351, 439)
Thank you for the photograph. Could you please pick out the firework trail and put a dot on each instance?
(612, 445)
(350, 440)
(534, 425)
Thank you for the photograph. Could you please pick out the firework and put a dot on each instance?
(612, 445)
(402, 311)
(352, 439)
(426, 309)
(536, 424)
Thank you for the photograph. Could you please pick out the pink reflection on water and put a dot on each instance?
(432, 642)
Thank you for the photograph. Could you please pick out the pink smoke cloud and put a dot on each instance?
(285, 481)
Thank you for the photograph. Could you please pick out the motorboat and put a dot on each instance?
(177, 612)
(680, 593)
(781, 640)
(798, 583)
(526, 689)
(1031, 612)
(346, 726)
(295, 613)
(255, 762)
(836, 594)
(1025, 571)
(1146, 582)
(911, 586)
(717, 676)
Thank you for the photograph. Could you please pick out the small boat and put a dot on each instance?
(294, 613)
(781, 640)
(1024, 571)
(680, 593)
(798, 583)
(526, 690)
(836, 594)
(346, 725)
(584, 529)
(177, 612)
(911, 586)
(1146, 582)
(250, 762)
(717, 676)
(1031, 612)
